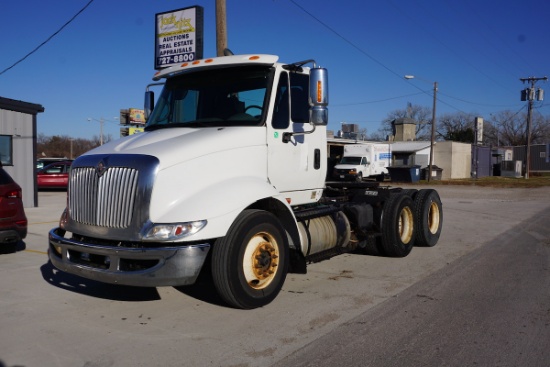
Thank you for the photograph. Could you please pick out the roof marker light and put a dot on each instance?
(208, 61)
(184, 64)
(251, 58)
(196, 62)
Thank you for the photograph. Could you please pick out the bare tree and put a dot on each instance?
(422, 116)
(62, 146)
(505, 128)
(458, 126)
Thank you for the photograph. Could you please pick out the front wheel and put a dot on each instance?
(249, 264)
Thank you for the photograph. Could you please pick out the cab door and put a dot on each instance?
(296, 166)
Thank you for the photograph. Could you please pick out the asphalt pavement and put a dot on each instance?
(488, 308)
(462, 299)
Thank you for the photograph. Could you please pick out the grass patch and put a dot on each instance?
(502, 182)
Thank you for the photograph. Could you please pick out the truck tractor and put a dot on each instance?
(230, 173)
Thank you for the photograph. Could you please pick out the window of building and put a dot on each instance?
(6, 150)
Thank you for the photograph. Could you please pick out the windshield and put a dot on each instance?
(224, 97)
(351, 160)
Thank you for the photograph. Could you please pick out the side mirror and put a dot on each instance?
(318, 96)
(149, 103)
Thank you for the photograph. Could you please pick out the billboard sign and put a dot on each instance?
(479, 130)
(134, 130)
(136, 116)
(178, 36)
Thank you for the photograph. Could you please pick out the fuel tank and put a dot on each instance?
(323, 233)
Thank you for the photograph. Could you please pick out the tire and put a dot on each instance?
(371, 246)
(398, 226)
(428, 214)
(410, 192)
(249, 264)
(8, 248)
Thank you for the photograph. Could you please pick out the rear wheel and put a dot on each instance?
(410, 192)
(371, 246)
(249, 264)
(428, 213)
(397, 226)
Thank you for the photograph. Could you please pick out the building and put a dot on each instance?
(411, 153)
(454, 158)
(539, 157)
(404, 129)
(18, 144)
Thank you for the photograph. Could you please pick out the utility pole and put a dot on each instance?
(528, 94)
(101, 131)
(221, 27)
(432, 140)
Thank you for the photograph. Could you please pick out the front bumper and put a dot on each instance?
(345, 176)
(142, 267)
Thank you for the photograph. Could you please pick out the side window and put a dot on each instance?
(299, 90)
(55, 169)
(281, 111)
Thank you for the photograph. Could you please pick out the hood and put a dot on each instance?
(176, 145)
(346, 166)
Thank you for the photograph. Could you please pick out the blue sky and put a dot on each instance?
(477, 50)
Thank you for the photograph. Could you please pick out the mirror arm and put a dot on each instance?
(288, 135)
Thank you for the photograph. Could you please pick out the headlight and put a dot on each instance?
(173, 231)
(64, 219)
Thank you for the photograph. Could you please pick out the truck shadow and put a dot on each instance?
(203, 290)
(10, 248)
(95, 289)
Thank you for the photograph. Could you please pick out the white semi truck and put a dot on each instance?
(364, 160)
(229, 172)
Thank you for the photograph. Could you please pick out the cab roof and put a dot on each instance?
(222, 61)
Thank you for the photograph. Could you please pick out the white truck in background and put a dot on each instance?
(147, 210)
(364, 160)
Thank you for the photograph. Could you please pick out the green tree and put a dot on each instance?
(458, 126)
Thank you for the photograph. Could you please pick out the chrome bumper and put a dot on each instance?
(142, 267)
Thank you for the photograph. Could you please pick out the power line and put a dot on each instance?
(474, 103)
(346, 40)
(486, 21)
(48, 39)
(378, 101)
(451, 49)
(481, 51)
(400, 76)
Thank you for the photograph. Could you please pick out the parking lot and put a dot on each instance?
(50, 318)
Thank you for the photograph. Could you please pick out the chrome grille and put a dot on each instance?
(105, 201)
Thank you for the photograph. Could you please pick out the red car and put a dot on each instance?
(13, 221)
(54, 176)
